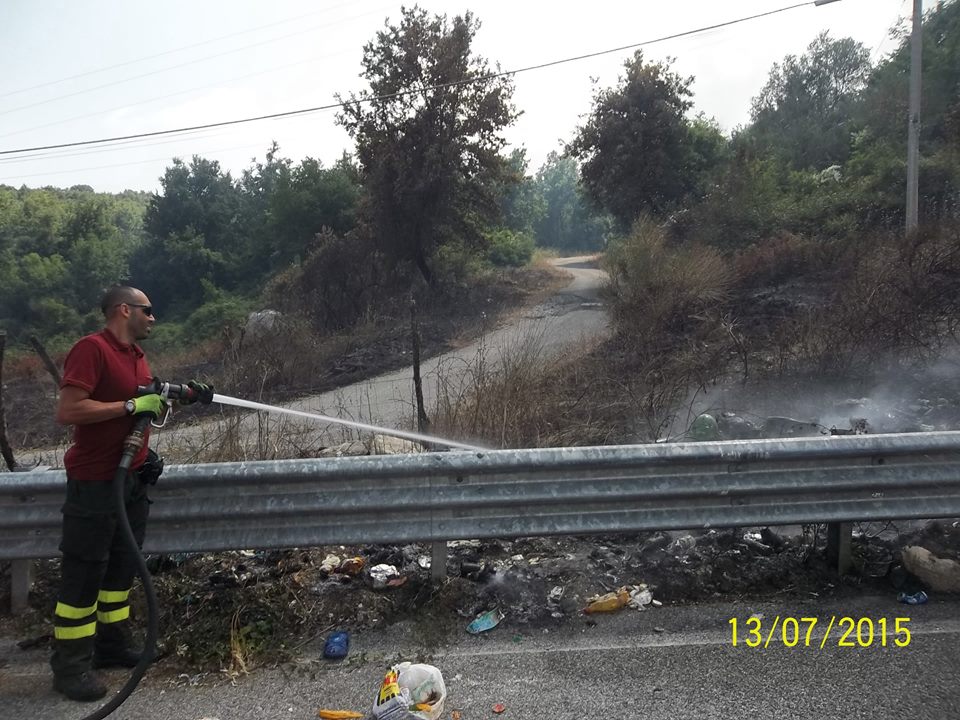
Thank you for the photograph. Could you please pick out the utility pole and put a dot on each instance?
(913, 120)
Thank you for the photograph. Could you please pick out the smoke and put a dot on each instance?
(896, 396)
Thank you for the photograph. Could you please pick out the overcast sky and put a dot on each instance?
(77, 71)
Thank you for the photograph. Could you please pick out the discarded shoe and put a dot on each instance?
(85, 687)
(337, 646)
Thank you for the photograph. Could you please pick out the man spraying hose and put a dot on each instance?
(98, 395)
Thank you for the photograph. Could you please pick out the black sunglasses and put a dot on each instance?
(147, 309)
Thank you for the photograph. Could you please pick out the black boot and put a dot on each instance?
(85, 687)
(114, 646)
(70, 663)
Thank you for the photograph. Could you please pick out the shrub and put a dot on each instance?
(509, 249)
(212, 317)
(655, 289)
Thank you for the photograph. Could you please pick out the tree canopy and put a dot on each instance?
(636, 148)
(428, 136)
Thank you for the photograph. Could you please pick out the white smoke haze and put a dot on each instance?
(896, 396)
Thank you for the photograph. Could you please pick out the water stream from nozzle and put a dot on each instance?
(416, 437)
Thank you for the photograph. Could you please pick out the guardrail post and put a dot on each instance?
(21, 579)
(839, 538)
(438, 560)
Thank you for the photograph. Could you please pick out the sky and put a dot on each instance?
(75, 71)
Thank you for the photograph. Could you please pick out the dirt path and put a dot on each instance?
(573, 318)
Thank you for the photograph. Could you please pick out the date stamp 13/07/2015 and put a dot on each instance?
(813, 632)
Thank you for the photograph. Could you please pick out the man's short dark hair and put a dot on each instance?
(117, 295)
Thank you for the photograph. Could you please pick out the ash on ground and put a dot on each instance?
(249, 608)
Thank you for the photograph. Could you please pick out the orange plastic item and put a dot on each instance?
(499, 708)
(609, 602)
(352, 566)
(338, 714)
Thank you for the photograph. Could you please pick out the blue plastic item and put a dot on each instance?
(337, 646)
(487, 621)
(917, 598)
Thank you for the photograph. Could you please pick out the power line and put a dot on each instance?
(174, 50)
(170, 95)
(132, 162)
(180, 65)
(115, 147)
(390, 96)
(886, 36)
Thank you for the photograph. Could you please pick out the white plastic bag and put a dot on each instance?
(411, 691)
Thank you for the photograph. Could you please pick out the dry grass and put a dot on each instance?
(518, 395)
(889, 297)
(656, 290)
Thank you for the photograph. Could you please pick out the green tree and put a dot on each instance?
(428, 136)
(521, 204)
(95, 251)
(200, 197)
(879, 159)
(635, 148)
(569, 222)
(41, 222)
(806, 110)
(307, 199)
(193, 234)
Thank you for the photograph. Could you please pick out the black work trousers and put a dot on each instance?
(97, 572)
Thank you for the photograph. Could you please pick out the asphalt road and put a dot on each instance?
(673, 663)
(573, 318)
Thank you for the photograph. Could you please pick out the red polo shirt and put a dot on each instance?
(109, 370)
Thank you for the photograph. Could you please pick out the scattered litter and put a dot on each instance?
(917, 598)
(517, 558)
(330, 564)
(754, 542)
(938, 574)
(486, 621)
(397, 581)
(656, 603)
(410, 691)
(499, 708)
(659, 629)
(639, 597)
(477, 571)
(454, 544)
(455, 715)
(352, 566)
(336, 646)
(34, 641)
(682, 545)
(380, 575)
(338, 714)
(771, 538)
(553, 601)
(424, 562)
(609, 602)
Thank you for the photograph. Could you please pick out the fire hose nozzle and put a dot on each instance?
(168, 391)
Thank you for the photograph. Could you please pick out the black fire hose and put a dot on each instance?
(131, 446)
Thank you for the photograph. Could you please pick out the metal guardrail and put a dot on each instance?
(516, 493)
